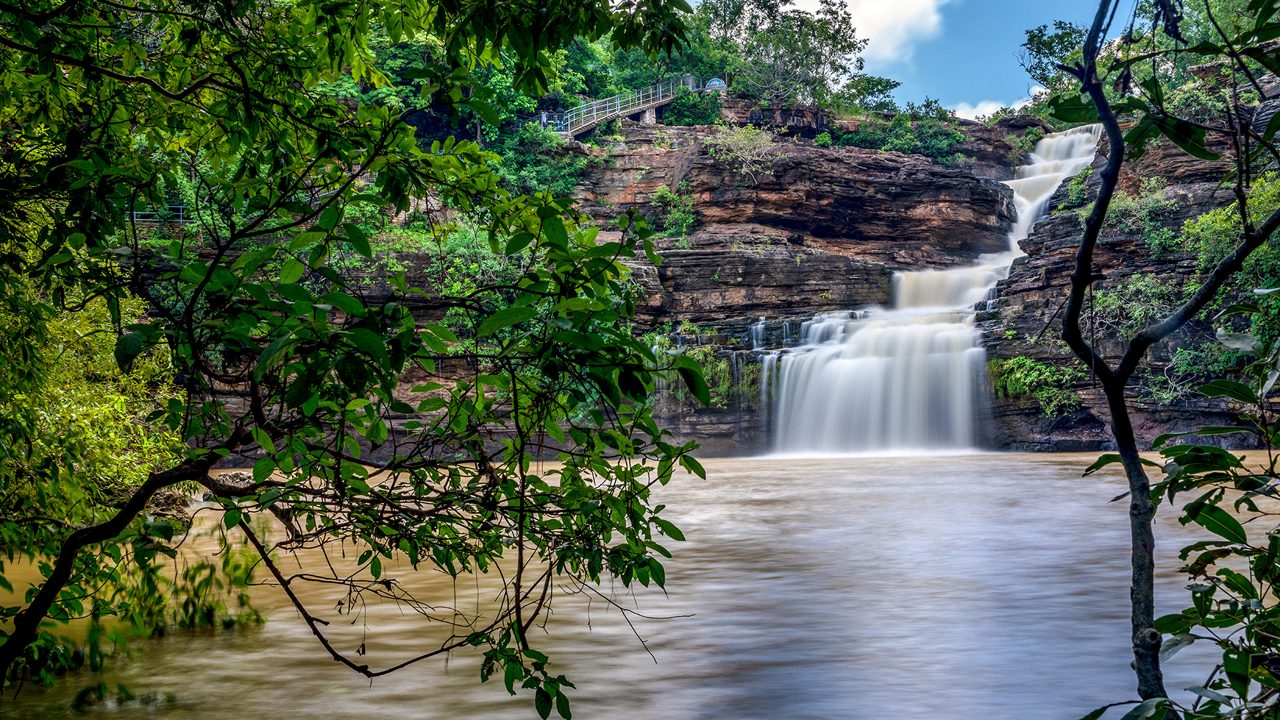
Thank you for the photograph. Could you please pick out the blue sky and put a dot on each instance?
(962, 52)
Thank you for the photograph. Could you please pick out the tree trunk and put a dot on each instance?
(1146, 640)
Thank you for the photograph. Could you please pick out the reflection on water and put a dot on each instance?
(980, 586)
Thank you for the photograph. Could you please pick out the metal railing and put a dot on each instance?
(584, 117)
(170, 214)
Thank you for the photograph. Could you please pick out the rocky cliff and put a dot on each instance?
(1139, 270)
(822, 229)
(826, 229)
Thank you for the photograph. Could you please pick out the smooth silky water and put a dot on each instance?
(984, 586)
(913, 376)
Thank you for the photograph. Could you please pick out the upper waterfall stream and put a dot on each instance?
(912, 376)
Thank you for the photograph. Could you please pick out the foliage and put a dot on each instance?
(1192, 365)
(921, 130)
(728, 382)
(823, 139)
(1232, 573)
(746, 149)
(1077, 190)
(1025, 143)
(1213, 235)
(690, 108)
(676, 206)
(1045, 49)
(277, 353)
(798, 57)
(1129, 80)
(1051, 386)
(864, 93)
(534, 160)
(77, 434)
(1132, 304)
(1145, 214)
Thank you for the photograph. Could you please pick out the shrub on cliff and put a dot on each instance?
(921, 130)
(534, 160)
(676, 206)
(692, 108)
(1023, 377)
(748, 150)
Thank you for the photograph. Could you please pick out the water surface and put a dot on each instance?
(990, 586)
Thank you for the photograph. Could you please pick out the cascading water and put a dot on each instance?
(914, 376)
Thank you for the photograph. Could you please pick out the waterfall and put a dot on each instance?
(757, 334)
(912, 376)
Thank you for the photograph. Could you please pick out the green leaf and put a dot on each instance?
(542, 702)
(518, 242)
(1101, 462)
(128, 347)
(1077, 109)
(306, 239)
(358, 240)
(1220, 523)
(669, 529)
(292, 271)
(1238, 583)
(1099, 712)
(1153, 709)
(512, 672)
(1170, 647)
(562, 706)
(1186, 136)
(1236, 665)
(1229, 389)
(328, 218)
(272, 355)
(691, 373)
(263, 468)
(1173, 624)
(553, 229)
(505, 318)
(1140, 135)
(691, 464)
(231, 518)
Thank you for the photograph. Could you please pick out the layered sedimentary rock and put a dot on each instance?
(1025, 318)
(821, 229)
(824, 229)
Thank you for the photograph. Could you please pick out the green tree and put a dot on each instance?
(534, 159)
(1233, 573)
(801, 57)
(692, 108)
(1109, 88)
(276, 353)
(1045, 50)
(865, 92)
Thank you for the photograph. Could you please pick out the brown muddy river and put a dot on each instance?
(988, 586)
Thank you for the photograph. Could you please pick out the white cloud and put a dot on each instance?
(893, 27)
(973, 111)
(982, 108)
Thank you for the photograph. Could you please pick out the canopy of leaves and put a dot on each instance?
(245, 333)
